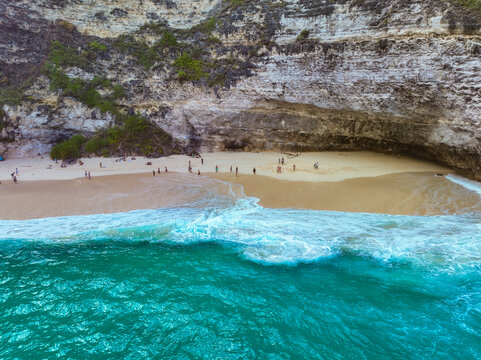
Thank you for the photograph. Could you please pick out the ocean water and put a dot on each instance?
(224, 278)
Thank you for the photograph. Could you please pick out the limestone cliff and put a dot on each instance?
(394, 75)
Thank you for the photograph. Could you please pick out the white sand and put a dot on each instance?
(333, 166)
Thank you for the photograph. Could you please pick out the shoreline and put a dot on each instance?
(352, 182)
(394, 194)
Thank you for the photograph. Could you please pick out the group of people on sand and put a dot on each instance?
(281, 162)
(14, 176)
(87, 175)
(158, 171)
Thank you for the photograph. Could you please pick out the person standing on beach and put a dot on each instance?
(86, 173)
(236, 171)
(89, 175)
(294, 167)
(217, 168)
(101, 164)
(231, 168)
(158, 171)
(166, 171)
(153, 172)
(254, 170)
(202, 161)
(14, 179)
(198, 172)
(16, 171)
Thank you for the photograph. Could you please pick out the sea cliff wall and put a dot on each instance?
(397, 75)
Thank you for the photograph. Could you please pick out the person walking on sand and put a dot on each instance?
(254, 170)
(231, 168)
(217, 168)
(153, 172)
(86, 174)
(166, 171)
(14, 179)
(158, 171)
(89, 176)
(202, 161)
(236, 171)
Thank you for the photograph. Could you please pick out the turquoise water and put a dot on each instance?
(225, 279)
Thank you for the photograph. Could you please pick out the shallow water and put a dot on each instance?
(225, 278)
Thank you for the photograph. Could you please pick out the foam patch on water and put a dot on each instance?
(466, 183)
(276, 236)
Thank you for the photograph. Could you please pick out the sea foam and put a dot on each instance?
(466, 183)
(276, 236)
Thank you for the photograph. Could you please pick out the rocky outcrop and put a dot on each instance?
(399, 75)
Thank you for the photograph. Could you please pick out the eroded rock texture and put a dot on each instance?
(394, 75)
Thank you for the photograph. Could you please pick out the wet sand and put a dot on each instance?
(404, 194)
(105, 194)
(401, 194)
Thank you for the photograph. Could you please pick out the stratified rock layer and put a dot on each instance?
(393, 76)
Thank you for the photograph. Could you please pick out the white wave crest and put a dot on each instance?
(466, 183)
(276, 236)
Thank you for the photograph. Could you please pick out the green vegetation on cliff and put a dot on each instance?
(85, 91)
(304, 34)
(474, 5)
(189, 68)
(11, 96)
(145, 55)
(134, 136)
(61, 55)
(168, 40)
(68, 149)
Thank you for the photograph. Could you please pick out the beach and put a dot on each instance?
(132, 264)
(351, 181)
(333, 166)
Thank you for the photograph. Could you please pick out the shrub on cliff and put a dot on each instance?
(303, 35)
(11, 96)
(68, 149)
(205, 27)
(66, 56)
(189, 68)
(96, 46)
(85, 91)
(135, 136)
(118, 92)
(236, 3)
(95, 145)
(145, 55)
(168, 40)
(474, 5)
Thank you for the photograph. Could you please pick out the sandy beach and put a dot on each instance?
(333, 166)
(353, 181)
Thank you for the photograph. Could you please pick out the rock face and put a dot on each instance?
(397, 75)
